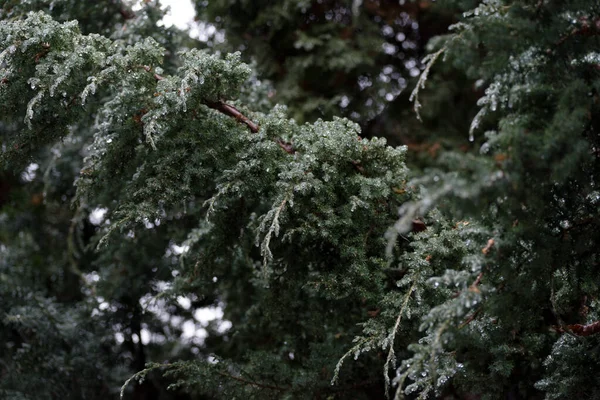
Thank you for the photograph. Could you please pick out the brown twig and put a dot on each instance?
(585, 330)
(586, 29)
(473, 288)
(358, 167)
(470, 319)
(488, 246)
(41, 54)
(478, 279)
(228, 110)
(149, 69)
(286, 146)
(231, 111)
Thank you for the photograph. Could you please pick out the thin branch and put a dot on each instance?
(471, 318)
(585, 330)
(414, 96)
(231, 111)
(286, 146)
(42, 54)
(357, 166)
(473, 288)
(478, 280)
(586, 29)
(391, 356)
(228, 110)
(488, 246)
(149, 69)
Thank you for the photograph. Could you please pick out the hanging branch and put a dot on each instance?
(226, 109)
(470, 319)
(586, 29)
(585, 330)
(473, 288)
(357, 166)
(42, 54)
(286, 146)
(579, 329)
(231, 111)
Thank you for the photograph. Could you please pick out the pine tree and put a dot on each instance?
(147, 177)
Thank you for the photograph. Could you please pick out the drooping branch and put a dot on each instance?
(233, 112)
(286, 146)
(224, 108)
(470, 319)
(488, 246)
(588, 28)
(149, 69)
(477, 280)
(42, 54)
(473, 288)
(585, 330)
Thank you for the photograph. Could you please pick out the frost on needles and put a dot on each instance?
(297, 206)
(344, 274)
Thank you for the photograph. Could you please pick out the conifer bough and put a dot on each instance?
(147, 182)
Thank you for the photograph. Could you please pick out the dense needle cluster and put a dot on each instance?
(168, 232)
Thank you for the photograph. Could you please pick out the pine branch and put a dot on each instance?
(149, 69)
(228, 110)
(357, 166)
(488, 246)
(286, 146)
(470, 319)
(391, 356)
(42, 54)
(478, 280)
(585, 330)
(231, 111)
(586, 29)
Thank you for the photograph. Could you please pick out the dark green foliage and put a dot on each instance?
(147, 180)
(327, 58)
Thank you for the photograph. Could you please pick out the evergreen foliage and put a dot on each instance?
(148, 178)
